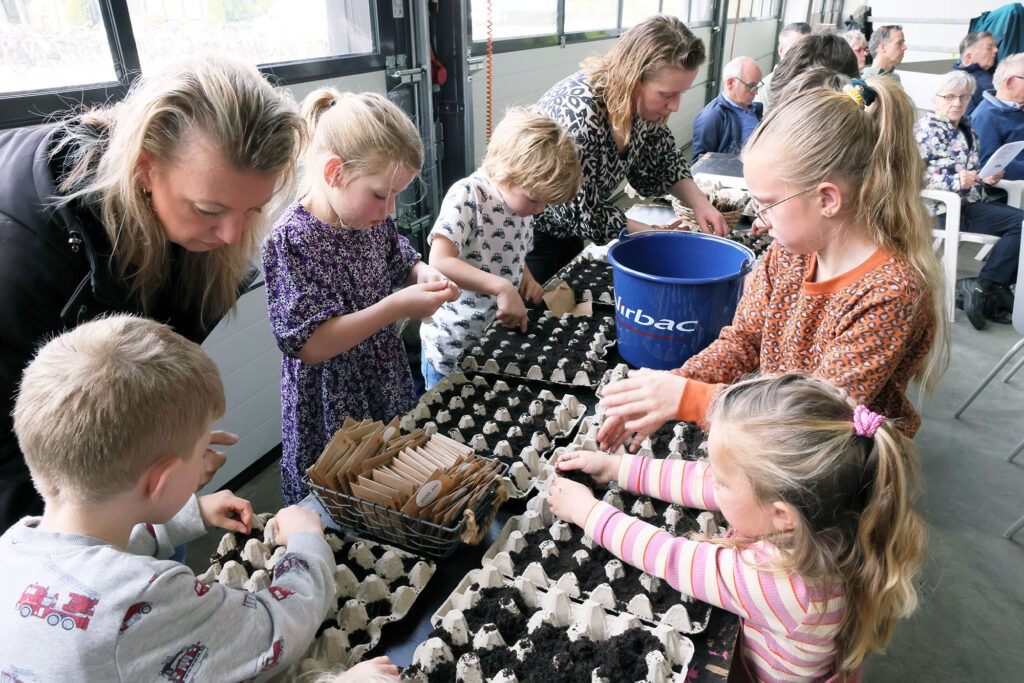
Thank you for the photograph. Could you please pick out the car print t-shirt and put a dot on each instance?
(491, 237)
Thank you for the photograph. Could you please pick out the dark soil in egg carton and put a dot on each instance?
(589, 280)
(560, 347)
(480, 400)
(551, 655)
(757, 244)
(693, 437)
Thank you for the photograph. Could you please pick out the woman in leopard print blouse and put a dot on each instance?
(616, 110)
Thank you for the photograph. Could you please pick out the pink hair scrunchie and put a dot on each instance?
(865, 422)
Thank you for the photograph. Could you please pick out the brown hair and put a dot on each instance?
(529, 150)
(369, 132)
(656, 43)
(255, 127)
(825, 134)
(102, 402)
(793, 438)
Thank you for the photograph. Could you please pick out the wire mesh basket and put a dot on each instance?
(411, 533)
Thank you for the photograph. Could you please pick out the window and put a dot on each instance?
(591, 15)
(514, 18)
(260, 32)
(44, 46)
(635, 11)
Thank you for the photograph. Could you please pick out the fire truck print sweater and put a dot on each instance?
(75, 608)
(865, 331)
(789, 626)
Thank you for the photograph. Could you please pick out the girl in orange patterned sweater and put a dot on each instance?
(825, 540)
(850, 291)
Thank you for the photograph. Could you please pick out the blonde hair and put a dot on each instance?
(793, 437)
(367, 131)
(822, 134)
(656, 43)
(529, 150)
(102, 402)
(255, 127)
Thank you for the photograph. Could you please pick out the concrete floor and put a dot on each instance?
(970, 623)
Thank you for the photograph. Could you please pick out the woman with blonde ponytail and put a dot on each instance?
(154, 206)
(825, 539)
(332, 263)
(850, 291)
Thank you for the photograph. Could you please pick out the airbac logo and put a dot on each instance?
(637, 317)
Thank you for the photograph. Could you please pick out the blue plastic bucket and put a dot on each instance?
(674, 292)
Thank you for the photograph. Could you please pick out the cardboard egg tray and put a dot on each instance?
(589, 276)
(374, 584)
(552, 553)
(514, 424)
(560, 350)
(491, 628)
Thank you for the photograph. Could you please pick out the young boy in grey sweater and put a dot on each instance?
(114, 418)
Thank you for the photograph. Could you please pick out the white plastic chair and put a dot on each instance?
(952, 236)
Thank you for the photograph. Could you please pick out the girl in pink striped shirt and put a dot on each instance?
(825, 540)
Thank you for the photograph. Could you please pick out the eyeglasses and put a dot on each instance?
(762, 213)
(751, 87)
(950, 98)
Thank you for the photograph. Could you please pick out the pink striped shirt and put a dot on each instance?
(787, 636)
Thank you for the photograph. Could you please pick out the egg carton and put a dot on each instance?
(515, 424)
(756, 243)
(552, 553)
(492, 629)
(589, 276)
(374, 584)
(560, 350)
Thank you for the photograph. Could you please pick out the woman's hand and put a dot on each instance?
(710, 220)
(967, 178)
(570, 501)
(602, 467)
(213, 459)
(638, 405)
(225, 510)
(993, 179)
(511, 309)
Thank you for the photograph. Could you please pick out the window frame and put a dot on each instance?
(32, 107)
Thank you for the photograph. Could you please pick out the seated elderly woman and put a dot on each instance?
(950, 149)
(859, 44)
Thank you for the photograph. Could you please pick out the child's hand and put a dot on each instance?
(226, 510)
(416, 302)
(378, 666)
(425, 273)
(530, 290)
(602, 467)
(570, 501)
(213, 459)
(639, 404)
(511, 309)
(294, 519)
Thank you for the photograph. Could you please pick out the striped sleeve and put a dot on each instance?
(676, 481)
(717, 574)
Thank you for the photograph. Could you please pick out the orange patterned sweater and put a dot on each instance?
(866, 331)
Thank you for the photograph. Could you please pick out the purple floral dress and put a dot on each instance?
(316, 272)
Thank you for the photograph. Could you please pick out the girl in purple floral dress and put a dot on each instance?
(331, 264)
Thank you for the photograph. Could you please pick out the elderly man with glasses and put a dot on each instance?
(999, 118)
(950, 149)
(728, 120)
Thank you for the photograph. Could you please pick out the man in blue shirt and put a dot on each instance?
(977, 55)
(729, 119)
(999, 118)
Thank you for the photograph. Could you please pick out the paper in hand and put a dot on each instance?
(1001, 158)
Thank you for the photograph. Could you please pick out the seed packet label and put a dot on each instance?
(428, 493)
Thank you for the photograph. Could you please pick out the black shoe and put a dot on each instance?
(962, 285)
(975, 303)
(1000, 299)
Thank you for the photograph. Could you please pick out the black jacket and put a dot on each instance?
(54, 274)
